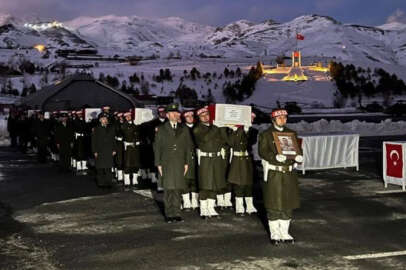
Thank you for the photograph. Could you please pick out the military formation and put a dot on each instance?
(197, 165)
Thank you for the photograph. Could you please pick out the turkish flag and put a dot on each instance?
(394, 160)
(299, 37)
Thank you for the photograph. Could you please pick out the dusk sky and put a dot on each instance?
(213, 12)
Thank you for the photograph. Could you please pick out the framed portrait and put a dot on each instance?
(287, 144)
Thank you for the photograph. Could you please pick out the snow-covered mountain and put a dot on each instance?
(140, 35)
(133, 35)
(15, 34)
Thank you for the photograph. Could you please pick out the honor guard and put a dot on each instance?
(118, 159)
(210, 143)
(190, 196)
(80, 129)
(64, 141)
(40, 129)
(241, 170)
(280, 189)
(132, 150)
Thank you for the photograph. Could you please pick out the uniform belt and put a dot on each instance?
(79, 135)
(280, 168)
(119, 139)
(240, 153)
(126, 144)
(210, 154)
(270, 167)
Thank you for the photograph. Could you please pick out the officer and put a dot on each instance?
(280, 189)
(190, 195)
(132, 150)
(64, 142)
(172, 156)
(103, 149)
(149, 131)
(210, 143)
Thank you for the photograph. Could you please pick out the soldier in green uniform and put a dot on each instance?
(240, 174)
(190, 196)
(132, 150)
(280, 189)
(149, 131)
(12, 127)
(103, 149)
(53, 122)
(210, 143)
(172, 156)
(118, 158)
(42, 136)
(64, 142)
(81, 131)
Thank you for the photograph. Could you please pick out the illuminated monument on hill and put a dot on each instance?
(296, 72)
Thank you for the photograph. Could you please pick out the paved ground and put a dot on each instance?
(50, 220)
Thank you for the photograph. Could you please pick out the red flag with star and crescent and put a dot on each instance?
(394, 160)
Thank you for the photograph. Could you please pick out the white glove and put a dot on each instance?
(223, 153)
(234, 128)
(280, 158)
(246, 128)
(299, 158)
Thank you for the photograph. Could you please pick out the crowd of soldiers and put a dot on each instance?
(197, 165)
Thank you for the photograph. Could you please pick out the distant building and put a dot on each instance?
(77, 92)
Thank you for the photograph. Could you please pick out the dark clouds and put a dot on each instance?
(213, 12)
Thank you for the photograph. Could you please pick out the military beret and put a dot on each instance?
(279, 112)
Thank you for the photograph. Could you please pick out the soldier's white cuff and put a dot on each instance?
(299, 158)
(281, 158)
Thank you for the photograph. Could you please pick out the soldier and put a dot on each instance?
(280, 189)
(210, 141)
(53, 122)
(190, 195)
(118, 158)
(64, 142)
(81, 130)
(107, 111)
(172, 155)
(41, 131)
(240, 174)
(103, 149)
(12, 127)
(132, 149)
(149, 130)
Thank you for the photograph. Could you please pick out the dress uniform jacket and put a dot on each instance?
(132, 154)
(118, 159)
(212, 170)
(191, 173)
(281, 191)
(241, 167)
(80, 129)
(64, 137)
(172, 151)
(103, 143)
